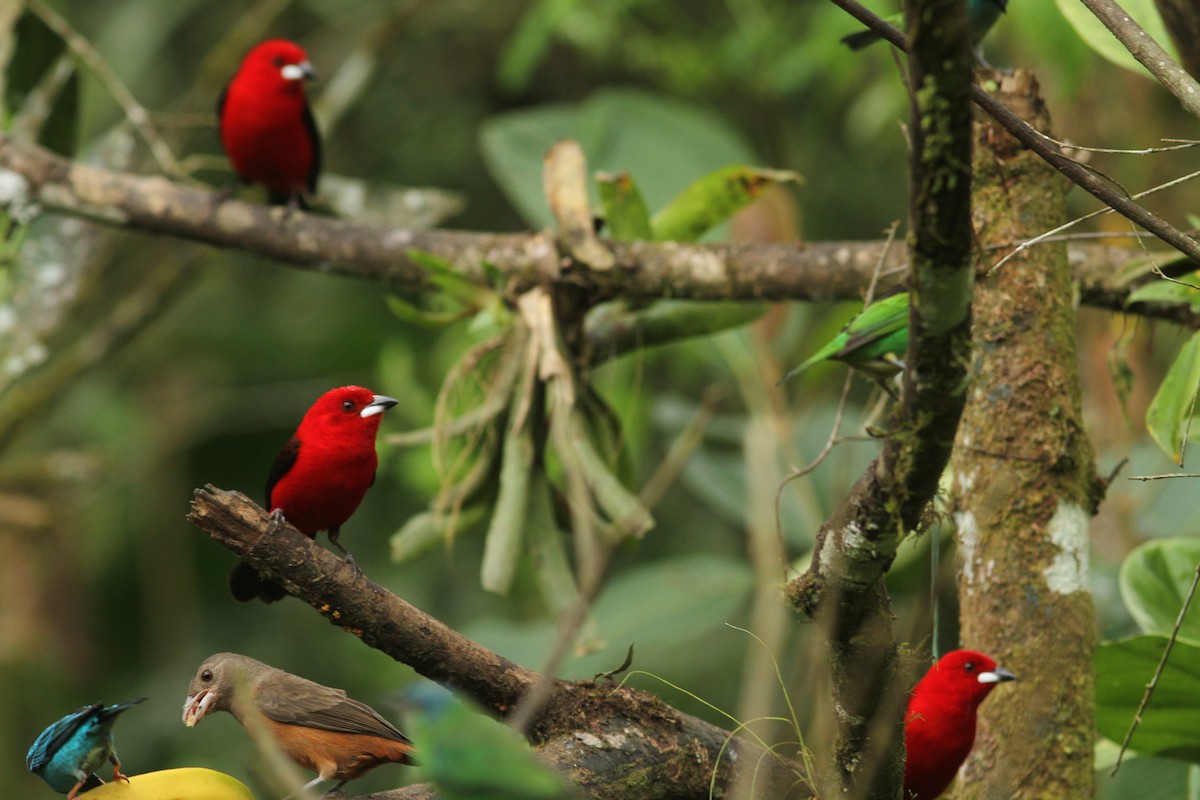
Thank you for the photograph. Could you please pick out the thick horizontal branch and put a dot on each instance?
(645, 270)
(601, 736)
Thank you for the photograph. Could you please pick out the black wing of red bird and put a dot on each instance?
(283, 464)
(314, 136)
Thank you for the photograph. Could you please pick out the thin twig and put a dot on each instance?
(1162, 664)
(1098, 212)
(1181, 144)
(681, 449)
(1164, 477)
(135, 112)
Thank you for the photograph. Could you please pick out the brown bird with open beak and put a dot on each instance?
(319, 728)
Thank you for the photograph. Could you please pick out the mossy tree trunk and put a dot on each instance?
(1025, 484)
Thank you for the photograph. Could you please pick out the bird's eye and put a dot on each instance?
(969, 666)
(206, 675)
(278, 61)
(348, 406)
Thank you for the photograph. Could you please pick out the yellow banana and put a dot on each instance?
(187, 783)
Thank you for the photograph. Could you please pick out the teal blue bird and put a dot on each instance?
(68, 752)
(981, 16)
(470, 756)
(872, 342)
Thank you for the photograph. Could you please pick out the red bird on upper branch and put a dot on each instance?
(940, 724)
(320, 475)
(267, 129)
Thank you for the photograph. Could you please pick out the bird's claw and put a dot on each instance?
(277, 520)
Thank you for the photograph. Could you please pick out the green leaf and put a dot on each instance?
(620, 504)
(654, 606)
(1164, 291)
(1170, 411)
(445, 310)
(614, 328)
(505, 536)
(428, 529)
(1100, 39)
(679, 612)
(449, 297)
(1155, 579)
(1168, 726)
(547, 549)
(713, 199)
(1143, 777)
(624, 207)
(663, 141)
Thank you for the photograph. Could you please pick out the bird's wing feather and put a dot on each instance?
(314, 136)
(53, 738)
(876, 322)
(297, 701)
(283, 463)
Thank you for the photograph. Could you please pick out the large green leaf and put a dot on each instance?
(1169, 723)
(624, 207)
(1146, 778)
(655, 607)
(713, 199)
(1098, 37)
(1155, 579)
(665, 143)
(1170, 411)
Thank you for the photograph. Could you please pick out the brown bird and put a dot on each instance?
(319, 728)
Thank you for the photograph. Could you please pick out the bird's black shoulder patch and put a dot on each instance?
(283, 464)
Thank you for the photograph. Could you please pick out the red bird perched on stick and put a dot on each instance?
(316, 726)
(320, 476)
(940, 724)
(267, 129)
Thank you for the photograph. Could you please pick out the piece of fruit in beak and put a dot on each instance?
(196, 706)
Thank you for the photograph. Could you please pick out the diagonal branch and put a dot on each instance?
(1074, 171)
(1149, 53)
(599, 734)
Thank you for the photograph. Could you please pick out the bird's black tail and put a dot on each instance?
(113, 710)
(857, 41)
(245, 584)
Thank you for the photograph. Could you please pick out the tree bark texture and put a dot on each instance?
(1183, 24)
(1025, 487)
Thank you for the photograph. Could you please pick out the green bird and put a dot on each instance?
(470, 756)
(872, 342)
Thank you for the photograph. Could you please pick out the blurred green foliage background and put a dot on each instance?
(110, 594)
